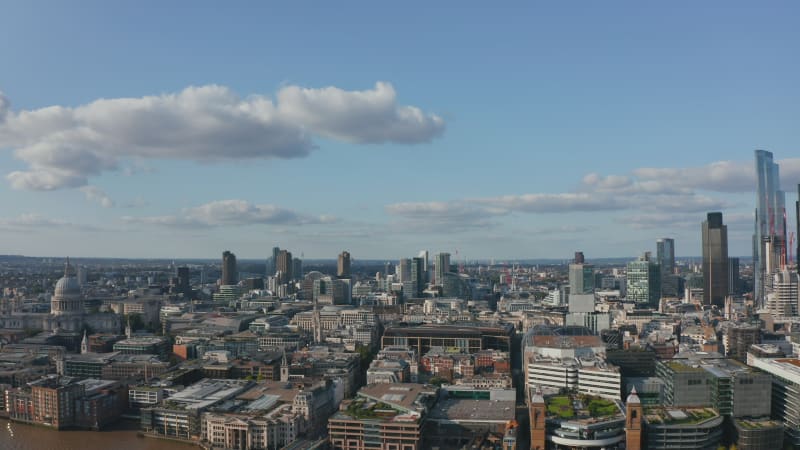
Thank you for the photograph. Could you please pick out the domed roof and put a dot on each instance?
(67, 286)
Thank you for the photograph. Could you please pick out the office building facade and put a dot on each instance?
(229, 276)
(769, 238)
(715, 260)
(343, 265)
(643, 280)
(442, 266)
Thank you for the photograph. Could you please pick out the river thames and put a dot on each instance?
(17, 436)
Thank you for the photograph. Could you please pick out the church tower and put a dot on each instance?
(537, 410)
(128, 329)
(284, 367)
(633, 422)
(84, 344)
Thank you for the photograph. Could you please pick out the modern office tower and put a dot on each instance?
(403, 270)
(284, 265)
(665, 257)
(418, 275)
(272, 264)
(734, 280)
(784, 300)
(229, 276)
(442, 263)
(427, 275)
(665, 254)
(579, 259)
(715, 260)
(644, 282)
(581, 279)
(297, 268)
(184, 285)
(797, 233)
(343, 265)
(769, 239)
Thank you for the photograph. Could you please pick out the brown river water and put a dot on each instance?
(17, 436)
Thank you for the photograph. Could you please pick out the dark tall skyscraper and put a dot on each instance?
(343, 265)
(579, 259)
(183, 279)
(284, 265)
(734, 282)
(297, 268)
(769, 238)
(665, 257)
(418, 275)
(715, 260)
(229, 276)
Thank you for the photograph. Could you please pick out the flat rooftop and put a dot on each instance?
(206, 392)
(464, 410)
(678, 416)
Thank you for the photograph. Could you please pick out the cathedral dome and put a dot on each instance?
(67, 298)
(67, 286)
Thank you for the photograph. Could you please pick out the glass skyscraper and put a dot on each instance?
(644, 282)
(665, 256)
(769, 238)
(715, 260)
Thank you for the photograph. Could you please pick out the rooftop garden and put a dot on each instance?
(366, 409)
(679, 416)
(561, 407)
(580, 406)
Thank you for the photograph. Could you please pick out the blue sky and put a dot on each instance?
(518, 131)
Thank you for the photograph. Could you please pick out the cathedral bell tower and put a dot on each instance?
(633, 422)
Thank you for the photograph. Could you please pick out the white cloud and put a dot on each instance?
(551, 203)
(660, 220)
(65, 146)
(30, 221)
(362, 116)
(95, 194)
(719, 176)
(232, 213)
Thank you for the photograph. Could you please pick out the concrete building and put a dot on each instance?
(682, 428)
(785, 393)
(383, 416)
(569, 358)
(181, 417)
(784, 300)
(738, 339)
(468, 337)
(730, 387)
(581, 279)
(575, 421)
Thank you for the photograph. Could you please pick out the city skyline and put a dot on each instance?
(548, 132)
